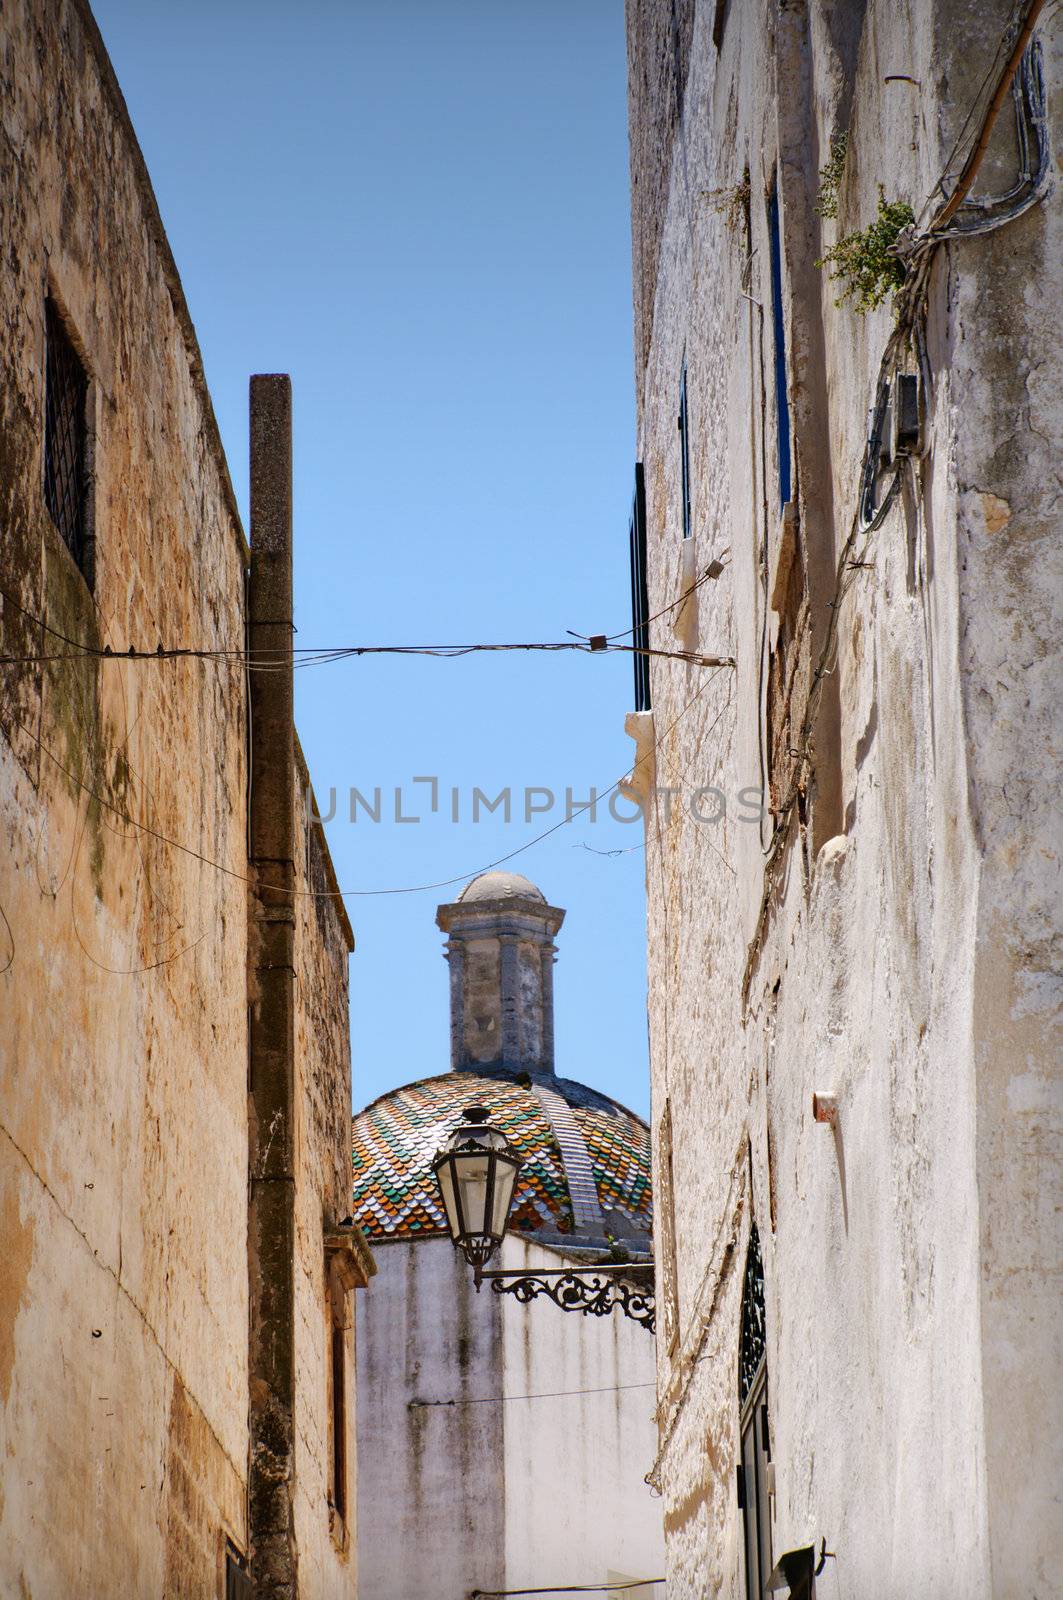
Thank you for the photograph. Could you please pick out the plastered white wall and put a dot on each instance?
(911, 961)
(486, 1492)
(578, 1509)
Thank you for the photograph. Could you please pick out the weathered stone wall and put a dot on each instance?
(323, 942)
(123, 1153)
(659, 41)
(910, 960)
(123, 995)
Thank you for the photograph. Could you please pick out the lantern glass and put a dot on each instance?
(476, 1171)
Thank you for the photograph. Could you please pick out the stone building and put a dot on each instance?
(174, 1044)
(854, 994)
(503, 1445)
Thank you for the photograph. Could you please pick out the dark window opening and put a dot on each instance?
(66, 388)
(339, 1423)
(684, 451)
(640, 604)
(782, 400)
(237, 1577)
(755, 1441)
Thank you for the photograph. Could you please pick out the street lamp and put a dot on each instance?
(476, 1171)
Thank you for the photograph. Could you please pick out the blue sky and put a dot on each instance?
(420, 211)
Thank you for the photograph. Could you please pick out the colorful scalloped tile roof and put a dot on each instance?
(396, 1137)
(619, 1148)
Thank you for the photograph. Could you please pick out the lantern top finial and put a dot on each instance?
(500, 886)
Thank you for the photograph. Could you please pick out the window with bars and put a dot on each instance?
(755, 1440)
(66, 388)
(640, 604)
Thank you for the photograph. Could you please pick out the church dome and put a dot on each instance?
(585, 1177)
(500, 886)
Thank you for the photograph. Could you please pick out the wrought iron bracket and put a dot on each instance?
(596, 1291)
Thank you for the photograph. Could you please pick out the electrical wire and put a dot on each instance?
(272, 662)
(711, 573)
(246, 659)
(567, 1588)
(345, 894)
(978, 150)
(501, 1399)
(972, 110)
(10, 940)
(918, 251)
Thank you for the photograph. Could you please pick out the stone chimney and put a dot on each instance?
(501, 951)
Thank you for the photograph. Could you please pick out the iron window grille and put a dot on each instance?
(640, 604)
(755, 1440)
(66, 388)
(754, 1335)
(684, 452)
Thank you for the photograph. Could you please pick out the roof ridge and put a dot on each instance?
(575, 1157)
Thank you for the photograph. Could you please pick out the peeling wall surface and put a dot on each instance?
(473, 1492)
(123, 989)
(909, 960)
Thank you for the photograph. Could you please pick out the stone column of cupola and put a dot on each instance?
(514, 1023)
(500, 949)
(456, 960)
(548, 956)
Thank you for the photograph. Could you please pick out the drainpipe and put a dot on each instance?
(271, 1001)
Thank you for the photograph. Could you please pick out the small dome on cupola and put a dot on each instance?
(500, 886)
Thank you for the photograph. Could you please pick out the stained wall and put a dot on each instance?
(908, 961)
(326, 1534)
(123, 933)
(123, 1157)
(503, 1446)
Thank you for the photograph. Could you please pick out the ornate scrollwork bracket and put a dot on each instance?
(596, 1292)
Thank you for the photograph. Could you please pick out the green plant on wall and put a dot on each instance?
(864, 262)
(731, 204)
(830, 176)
